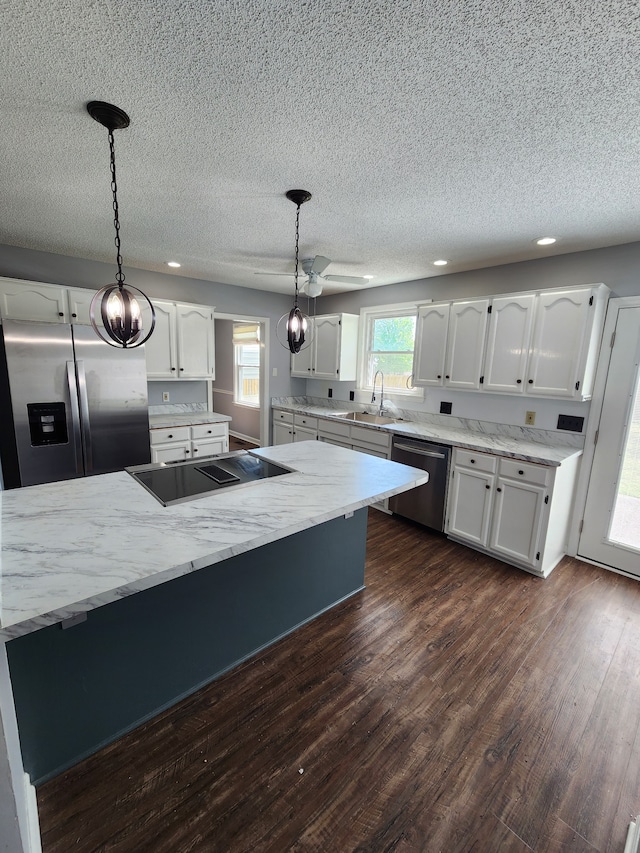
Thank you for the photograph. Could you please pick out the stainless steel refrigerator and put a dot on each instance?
(70, 405)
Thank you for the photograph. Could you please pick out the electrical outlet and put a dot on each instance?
(165, 396)
(445, 408)
(352, 395)
(530, 418)
(573, 423)
(330, 392)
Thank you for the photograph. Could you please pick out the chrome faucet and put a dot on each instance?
(373, 395)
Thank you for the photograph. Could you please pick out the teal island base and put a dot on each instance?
(78, 688)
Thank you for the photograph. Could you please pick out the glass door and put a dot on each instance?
(611, 528)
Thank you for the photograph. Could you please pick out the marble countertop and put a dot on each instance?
(502, 445)
(186, 419)
(69, 547)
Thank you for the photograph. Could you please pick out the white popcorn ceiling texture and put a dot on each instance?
(461, 129)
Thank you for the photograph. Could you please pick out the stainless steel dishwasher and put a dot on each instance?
(425, 504)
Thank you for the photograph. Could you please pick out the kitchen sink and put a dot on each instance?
(366, 418)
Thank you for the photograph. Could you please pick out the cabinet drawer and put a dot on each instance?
(306, 421)
(159, 436)
(285, 417)
(334, 428)
(371, 436)
(209, 430)
(478, 461)
(526, 471)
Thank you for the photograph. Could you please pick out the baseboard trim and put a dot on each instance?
(244, 437)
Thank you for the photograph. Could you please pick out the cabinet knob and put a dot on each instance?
(173, 368)
(518, 381)
(60, 314)
(531, 382)
(439, 376)
(74, 315)
(187, 452)
(521, 473)
(473, 461)
(170, 435)
(498, 489)
(195, 449)
(487, 486)
(447, 376)
(182, 368)
(209, 431)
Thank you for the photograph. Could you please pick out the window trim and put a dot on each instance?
(237, 367)
(367, 316)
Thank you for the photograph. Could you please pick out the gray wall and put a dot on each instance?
(616, 266)
(246, 421)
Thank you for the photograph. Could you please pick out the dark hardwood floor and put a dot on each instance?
(455, 705)
(240, 444)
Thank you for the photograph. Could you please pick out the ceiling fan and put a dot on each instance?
(313, 269)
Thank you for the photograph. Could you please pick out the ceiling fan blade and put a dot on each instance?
(347, 279)
(273, 273)
(319, 264)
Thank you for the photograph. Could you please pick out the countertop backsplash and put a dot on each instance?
(177, 408)
(558, 438)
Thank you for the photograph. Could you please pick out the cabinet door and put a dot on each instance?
(79, 304)
(160, 349)
(559, 340)
(171, 452)
(304, 434)
(209, 447)
(431, 344)
(326, 346)
(517, 521)
(469, 505)
(465, 343)
(27, 300)
(510, 324)
(282, 432)
(302, 363)
(196, 357)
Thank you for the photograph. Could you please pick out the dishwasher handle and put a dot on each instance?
(413, 449)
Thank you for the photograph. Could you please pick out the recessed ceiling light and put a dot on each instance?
(173, 264)
(440, 263)
(546, 241)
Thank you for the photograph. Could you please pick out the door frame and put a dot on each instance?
(265, 340)
(604, 358)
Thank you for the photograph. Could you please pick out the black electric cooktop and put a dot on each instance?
(174, 482)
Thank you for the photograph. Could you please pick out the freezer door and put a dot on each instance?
(42, 386)
(114, 412)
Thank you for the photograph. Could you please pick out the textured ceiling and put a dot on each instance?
(425, 129)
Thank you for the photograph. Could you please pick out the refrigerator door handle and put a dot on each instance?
(75, 416)
(84, 413)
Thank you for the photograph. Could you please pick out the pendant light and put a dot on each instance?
(117, 310)
(295, 332)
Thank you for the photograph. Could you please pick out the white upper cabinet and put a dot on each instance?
(196, 356)
(567, 329)
(542, 343)
(182, 343)
(30, 300)
(333, 350)
(465, 343)
(431, 343)
(510, 325)
(450, 343)
(79, 305)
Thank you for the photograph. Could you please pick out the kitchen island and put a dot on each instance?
(251, 562)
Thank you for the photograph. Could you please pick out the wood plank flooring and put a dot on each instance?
(456, 705)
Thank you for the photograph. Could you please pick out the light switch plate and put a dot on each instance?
(165, 396)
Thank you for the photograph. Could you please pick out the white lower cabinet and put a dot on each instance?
(516, 511)
(175, 444)
(288, 428)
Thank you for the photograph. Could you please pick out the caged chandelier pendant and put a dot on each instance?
(117, 310)
(295, 332)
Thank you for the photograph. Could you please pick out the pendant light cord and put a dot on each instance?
(295, 302)
(116, 217)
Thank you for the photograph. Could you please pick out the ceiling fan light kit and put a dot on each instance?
(117, 310)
